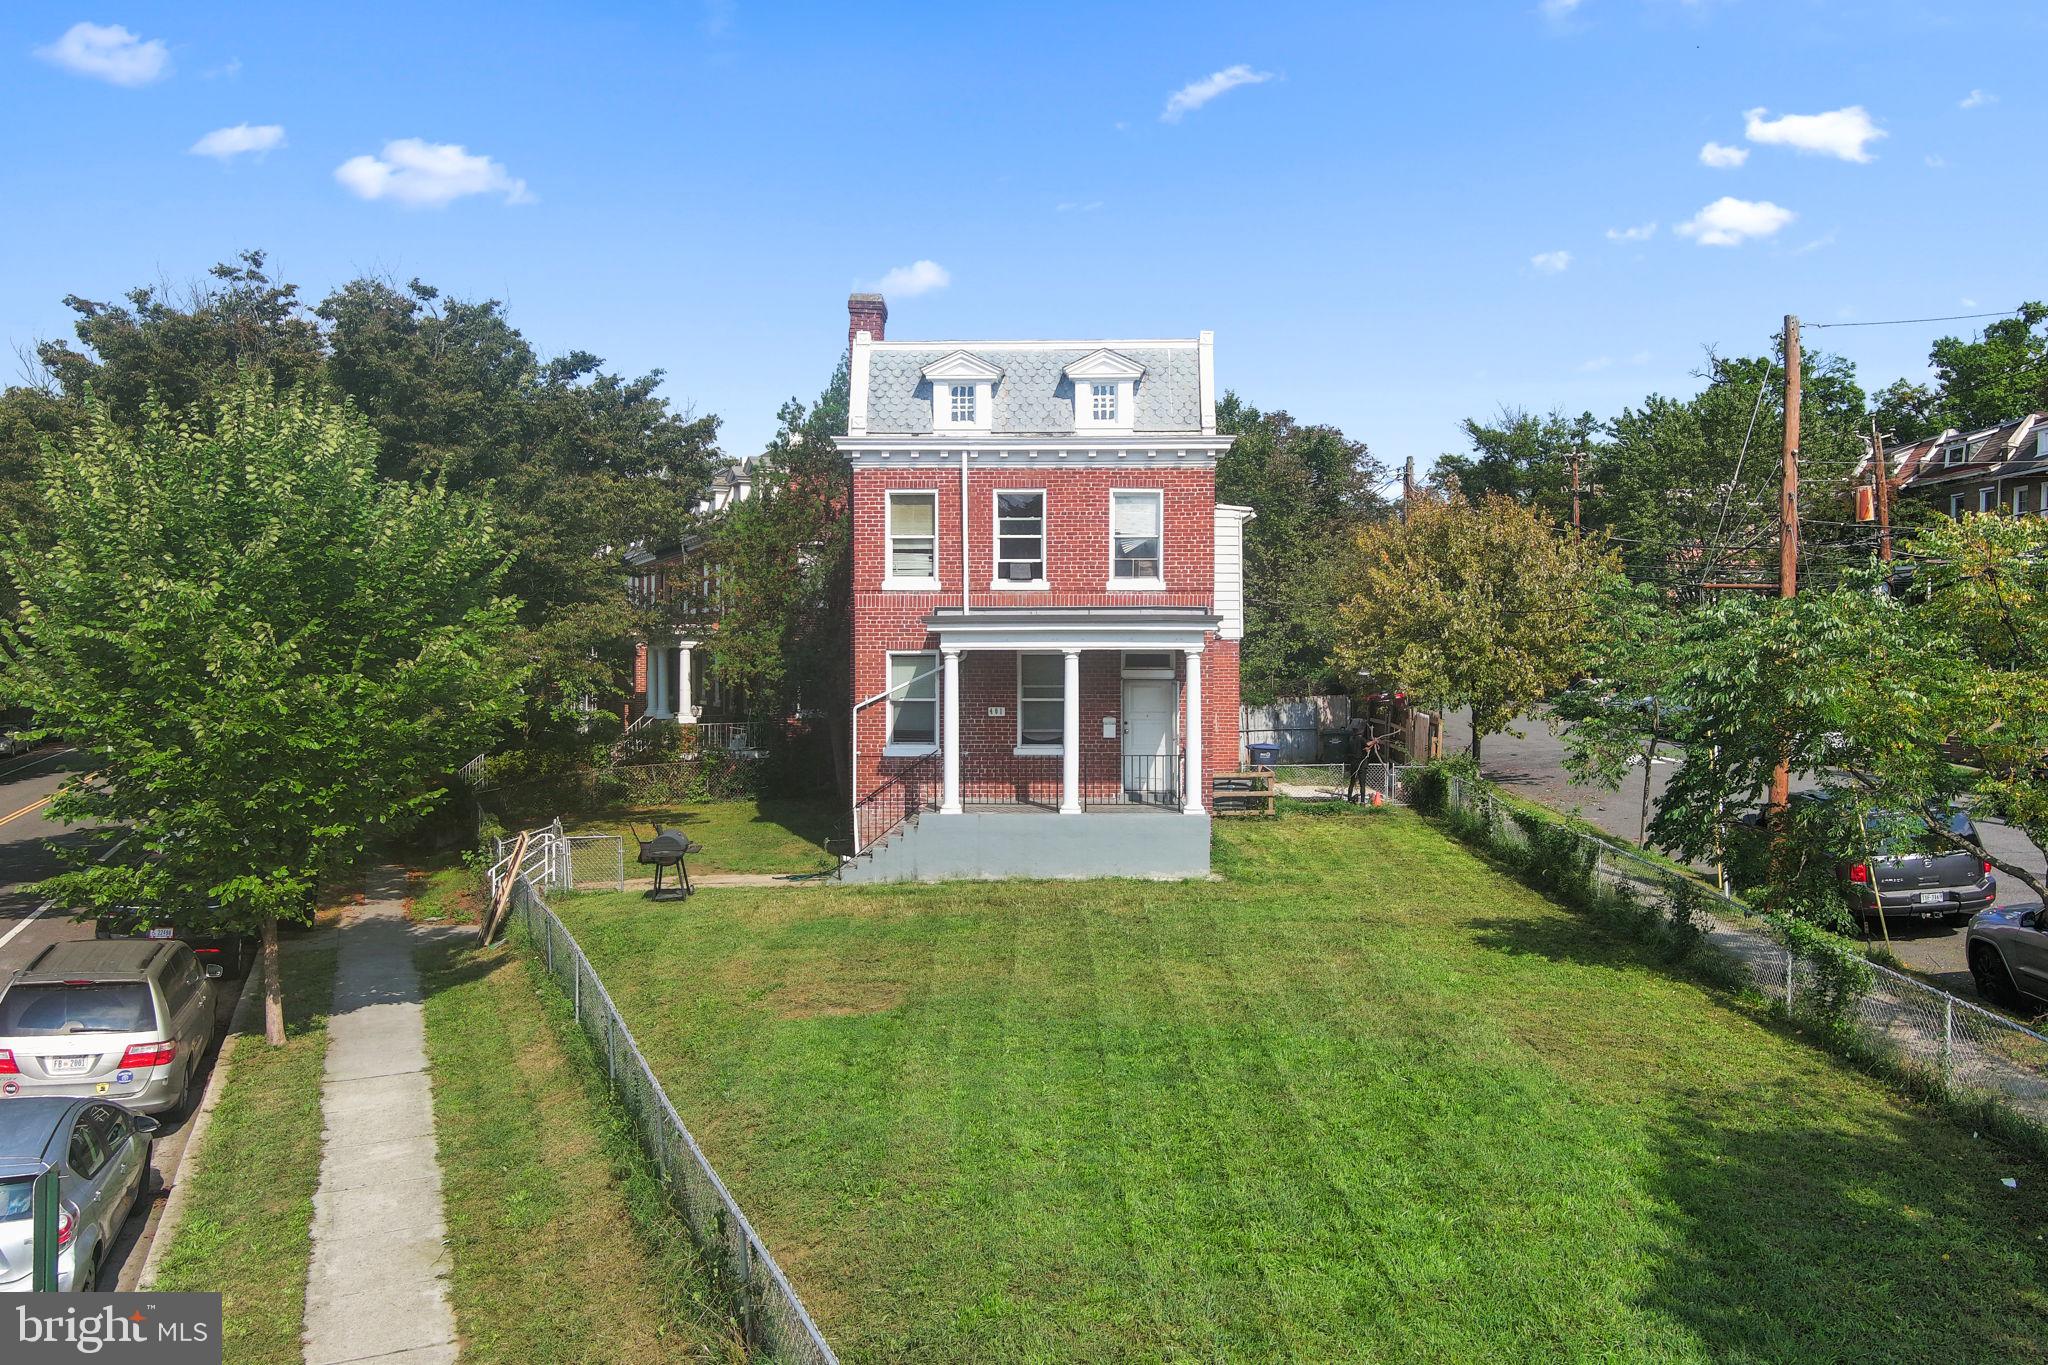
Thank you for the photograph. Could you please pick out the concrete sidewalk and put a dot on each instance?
(377, 1287)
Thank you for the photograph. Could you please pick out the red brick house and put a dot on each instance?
(1047, 605)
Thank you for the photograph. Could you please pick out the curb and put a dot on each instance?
(202, 1119)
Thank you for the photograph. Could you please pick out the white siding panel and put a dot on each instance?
(1230, 569)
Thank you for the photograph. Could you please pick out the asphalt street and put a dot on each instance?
(30, 844)
(1532, 764)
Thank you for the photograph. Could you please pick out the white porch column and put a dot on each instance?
(949, 803)
(1194, 804)
(1070, 734)
(684, 714)
(657, 670)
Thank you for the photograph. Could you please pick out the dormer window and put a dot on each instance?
(963, 392)
(1105, 390)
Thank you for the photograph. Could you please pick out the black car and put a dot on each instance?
(221, 952)
(1932, 880)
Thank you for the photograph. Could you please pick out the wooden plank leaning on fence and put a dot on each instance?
(504, 896)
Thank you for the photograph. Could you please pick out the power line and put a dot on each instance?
(1904, 322)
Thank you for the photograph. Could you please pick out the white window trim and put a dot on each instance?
(967, 371)
(1023, 750)
(2019, 491)
(891, 583)
(890, 748)
(1955, 507)
(1137, 584)
(997, 583)
(1987, 498)
(1166, 672)
(1104, 366)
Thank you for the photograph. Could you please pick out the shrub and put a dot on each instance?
(1839, 977)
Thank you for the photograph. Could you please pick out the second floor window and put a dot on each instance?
(1134, 522)
(962, 408)
(1020, 537)
(914, 536)
(1102, 404)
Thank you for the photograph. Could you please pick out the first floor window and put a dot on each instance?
(913, 699)
(1020, 537)
(1134, 517)
(1102, 398)
(1984, 496)
(962, 408)
(914, 535)
(1041, 700)
(2019, 500)
(1955, 506)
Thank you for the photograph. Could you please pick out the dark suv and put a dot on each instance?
(1931, 880)
(221, 952)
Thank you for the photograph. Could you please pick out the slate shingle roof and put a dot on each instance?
(1033, 397)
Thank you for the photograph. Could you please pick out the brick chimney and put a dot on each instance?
(865, 313)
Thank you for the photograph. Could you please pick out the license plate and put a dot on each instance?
(1933, 897)
(66, 1066)
(163, 933)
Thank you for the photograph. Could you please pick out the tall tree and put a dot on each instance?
(2000, 374)
(1481, 604)
(1311, 488)
(270, 655)
(1521, 455)
(784, 562)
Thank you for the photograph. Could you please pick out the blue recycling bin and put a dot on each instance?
(1263, 755)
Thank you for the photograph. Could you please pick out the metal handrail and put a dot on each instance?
(894, 803)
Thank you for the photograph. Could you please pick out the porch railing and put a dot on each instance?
(910, 792)
(1148, 780)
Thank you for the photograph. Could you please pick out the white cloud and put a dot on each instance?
(1723, 157)
(1555, 10)
(919, 277)
(229, 143)
(1976, 99)
(1967, 303)
(1731, 222)
(1195, 94)
(421, 174)
(1844, 133)
(1078, 206)
(1552, 262)
(1641, 232)
(1935, 162)
(1596, 364)
(109, 53)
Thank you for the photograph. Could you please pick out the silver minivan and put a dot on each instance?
(100, 1153)
(126, 1020)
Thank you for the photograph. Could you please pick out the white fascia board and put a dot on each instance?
(1016, 344)
(1020, 635)
(960, 366)
(909, 447)
(1104, 363)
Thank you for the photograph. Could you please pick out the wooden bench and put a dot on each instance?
(1245, 793)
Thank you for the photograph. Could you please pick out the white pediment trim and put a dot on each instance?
(961, 367)
(1104, 364)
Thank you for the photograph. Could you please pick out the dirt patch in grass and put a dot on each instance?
(444, 890)
(247, 1232)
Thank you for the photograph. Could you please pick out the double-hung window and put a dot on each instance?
(1135, 516)
(1986, 497)
(1020, 539)
(2019, 500)
(913, 701)
(1102, 402)
(961, 402)
(1041, 701)
(913, 539)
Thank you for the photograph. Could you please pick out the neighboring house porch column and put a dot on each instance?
(657, 682)
(949, 803)
(685, 712)
(1070, 734)
(1194, 804)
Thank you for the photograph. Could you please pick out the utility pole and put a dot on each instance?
(1407, 487)
(1788, 519)
(1884, 493)
(1575, 491)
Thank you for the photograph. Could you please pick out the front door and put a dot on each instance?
(1148, 736)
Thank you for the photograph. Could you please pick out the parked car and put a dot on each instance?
(100, 1152)
(1935, 881)
(12, 745)
(126, 1020)
(221, 952)
(2008, 955)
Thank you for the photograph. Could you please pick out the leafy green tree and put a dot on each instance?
(2000, 374)
(1521, 455)
(1906, 411)
(1626, 708)
(784, 561)
(1480, 604)
(1311, 488)
(270, 655)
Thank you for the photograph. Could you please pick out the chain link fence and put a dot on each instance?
(772, 1319)
(1942, 1041)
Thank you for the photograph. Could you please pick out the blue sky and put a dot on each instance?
(1391, 215)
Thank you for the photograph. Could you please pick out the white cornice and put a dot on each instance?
(960, 366)
(1104, 363)
(881, 452)
(1168, 343)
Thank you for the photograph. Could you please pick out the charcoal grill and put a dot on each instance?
(668, 850)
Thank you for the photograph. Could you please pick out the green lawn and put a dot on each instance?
(1364, 1100)
(738, 836)
(246, 1233)
(563, 1247)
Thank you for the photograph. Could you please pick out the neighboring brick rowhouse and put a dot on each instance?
(865, 313)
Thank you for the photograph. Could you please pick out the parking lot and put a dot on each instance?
(29, 841)
(1533, 766)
